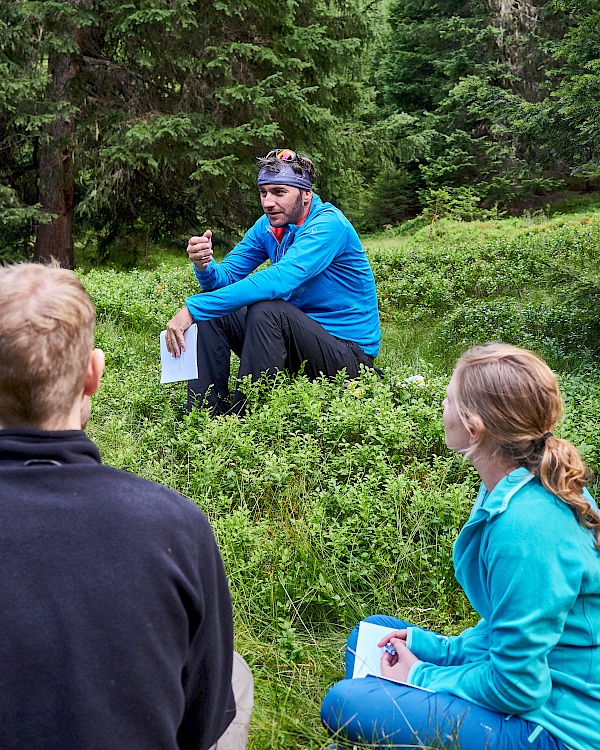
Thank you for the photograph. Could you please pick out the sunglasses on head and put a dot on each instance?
(284, 154)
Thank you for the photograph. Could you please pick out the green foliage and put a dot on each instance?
(559, 330)
(467, 292)
(22, 89)
(393, 197)
(565, 123)
(173, 101)
(332, 500)
(452, 78)
(558, 130)
(431, 47)
(141, 300)
(16, 222)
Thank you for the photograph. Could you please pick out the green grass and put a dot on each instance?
(332, 503)
(573, 210)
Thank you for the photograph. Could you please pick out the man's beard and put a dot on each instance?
(297, 211)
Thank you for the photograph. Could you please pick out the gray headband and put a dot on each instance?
(284, 176)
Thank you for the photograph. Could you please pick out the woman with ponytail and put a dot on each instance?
(528, 674)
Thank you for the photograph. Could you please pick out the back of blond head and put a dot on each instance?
(46, 337)
(510, 398)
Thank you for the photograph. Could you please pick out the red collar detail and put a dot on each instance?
(278, 233)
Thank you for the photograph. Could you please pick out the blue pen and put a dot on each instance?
(390, 649)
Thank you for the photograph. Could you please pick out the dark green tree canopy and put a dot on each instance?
(135, 117)
(566, 122)
(432, 45)
(171, 101)
(447, 71)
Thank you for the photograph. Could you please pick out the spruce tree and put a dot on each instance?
(450, 67)
(432, 45)
(23, 113)
(149, 113)
(565, 125)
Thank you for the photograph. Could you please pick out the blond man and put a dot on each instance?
(116, 617)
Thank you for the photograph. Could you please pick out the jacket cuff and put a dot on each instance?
(412, 676)
(206, 275)
(189, 303)
(426, 645)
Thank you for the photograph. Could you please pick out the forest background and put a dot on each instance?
(461, 139)
(129, 123)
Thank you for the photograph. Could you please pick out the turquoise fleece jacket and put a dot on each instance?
(532, 573)
(320, 267)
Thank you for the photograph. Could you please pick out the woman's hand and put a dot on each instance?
(393, 634)
(397, 666)
(176, 327)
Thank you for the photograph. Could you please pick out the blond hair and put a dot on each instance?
(46, 337)
(511, 399)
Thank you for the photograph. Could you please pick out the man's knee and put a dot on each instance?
(266, 310)
(236, 735)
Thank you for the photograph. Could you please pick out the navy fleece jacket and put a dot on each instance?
(116, 627)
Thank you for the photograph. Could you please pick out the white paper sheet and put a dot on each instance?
(368, 656)
(185, 367)
(367, 660)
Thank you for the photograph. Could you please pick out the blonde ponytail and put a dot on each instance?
(563, 473)
(512, 399)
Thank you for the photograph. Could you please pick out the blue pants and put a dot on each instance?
(380, 713)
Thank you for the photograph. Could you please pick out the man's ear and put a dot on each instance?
(94, 372)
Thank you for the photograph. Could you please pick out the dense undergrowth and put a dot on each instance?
(539, 288)
(331, 502)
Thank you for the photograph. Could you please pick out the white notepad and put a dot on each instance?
(368, 655)
(185, 367)
(367, 660)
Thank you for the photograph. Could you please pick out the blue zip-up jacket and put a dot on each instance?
(320, 267)
(532, 573)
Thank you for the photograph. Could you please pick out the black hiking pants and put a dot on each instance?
(267, 337)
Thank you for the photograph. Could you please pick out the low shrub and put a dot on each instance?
(333, 500)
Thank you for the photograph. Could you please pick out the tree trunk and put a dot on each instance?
(518, 21)
(56, 169)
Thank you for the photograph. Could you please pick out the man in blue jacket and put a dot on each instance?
(315, 305)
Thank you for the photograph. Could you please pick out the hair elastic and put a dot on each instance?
(545, 437)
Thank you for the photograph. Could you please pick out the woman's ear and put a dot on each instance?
(476, 431)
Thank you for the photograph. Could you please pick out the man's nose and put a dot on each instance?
(268, 201)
